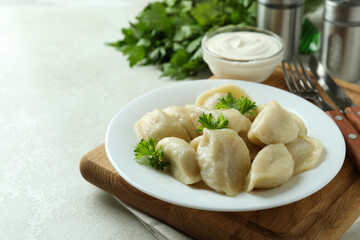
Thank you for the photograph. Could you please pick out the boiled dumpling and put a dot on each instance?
(158, 125)
(180, 114)
(253, 115)
(224, 160)
(273, 125)
(272, 167)
(182, 157)
(306, 151)
(301, 124)
(237, 121)
(211, 97)
(253, 148)
(195, 142)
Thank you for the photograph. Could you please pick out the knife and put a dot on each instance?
(347, 121)
(337, 95)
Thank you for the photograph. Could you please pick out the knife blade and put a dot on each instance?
(336, 94)
(346, 122)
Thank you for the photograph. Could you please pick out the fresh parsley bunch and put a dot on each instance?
(168, 33)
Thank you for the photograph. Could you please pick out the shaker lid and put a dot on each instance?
(344, 11)
(282, 3)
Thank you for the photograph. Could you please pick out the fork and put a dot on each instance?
(301, 85)
(299, 82)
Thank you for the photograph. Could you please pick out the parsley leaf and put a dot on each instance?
(246, 105)
(227, 102)
(147, 154)
(208, 122)
(243, 105)
(155, 17)
(205, 14)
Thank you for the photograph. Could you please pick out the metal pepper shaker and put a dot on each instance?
(340, 41)
(282, 17)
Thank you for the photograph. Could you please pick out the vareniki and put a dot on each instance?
(224, 140)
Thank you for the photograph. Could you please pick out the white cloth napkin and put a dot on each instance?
(161, 230)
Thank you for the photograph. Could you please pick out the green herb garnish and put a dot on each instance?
(147, 154)
(243, 105)
(208, 122)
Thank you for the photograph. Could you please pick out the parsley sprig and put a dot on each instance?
(243, 105)
(208, 122)
(147, 154)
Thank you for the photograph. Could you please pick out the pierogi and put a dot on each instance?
(306, 151)
(255, 151)
(180, 113)
(273, 125)
(237, 121)
(211, 97)
(224, 160)
(272, 166)
(182, 158)
(158, 124)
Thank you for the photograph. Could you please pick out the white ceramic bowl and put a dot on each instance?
(255, 70)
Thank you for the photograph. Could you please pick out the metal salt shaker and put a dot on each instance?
(340, 42)
(282, 17)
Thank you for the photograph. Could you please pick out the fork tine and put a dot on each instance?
(288, 80)
(302, 86)
(301, 81)
(289, 76)
(307, 80)
(292, 64)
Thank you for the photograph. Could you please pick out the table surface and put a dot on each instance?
(60, 86)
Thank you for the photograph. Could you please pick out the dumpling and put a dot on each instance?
(180, 114)
(158, 125)
(272, 167)
(273, 125)
(306, 151)
(182, 157)
(237, 121)
(253, 148)
(301, 124)
(224, 160)
(211, 97)
(195, 142)
(256, 112)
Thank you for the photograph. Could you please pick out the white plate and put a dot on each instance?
(121, 140)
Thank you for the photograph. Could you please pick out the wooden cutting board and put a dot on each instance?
(327, 214)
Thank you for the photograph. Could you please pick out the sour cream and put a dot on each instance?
(244, 45)
(245, 53)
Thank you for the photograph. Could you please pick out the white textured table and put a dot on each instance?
(59, 88)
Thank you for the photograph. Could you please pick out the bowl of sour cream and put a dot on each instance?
(245, 53)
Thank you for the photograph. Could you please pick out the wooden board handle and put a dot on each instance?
(353, 114)
(351, 136)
